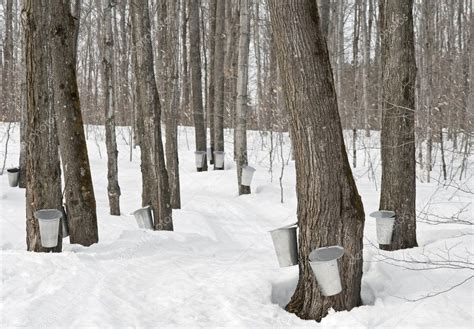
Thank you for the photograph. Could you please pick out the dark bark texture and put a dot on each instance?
(329, 209)
(155, 187)
(43, 171)
(398, 192)
(79, 192)
(113, 188)
(196, 76)
(170, 57)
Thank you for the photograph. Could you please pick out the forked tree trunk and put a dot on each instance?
(398, 192)
(79, 192)
(43, 171)
(242, 96)
(196, 84)
(330, 210)
(155, 187)
(219, 78)
(113, 188)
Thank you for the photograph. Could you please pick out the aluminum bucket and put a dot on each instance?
(286, 246)
(200, 158)
(144, 218)
(385, 220)
(247, 175)
(323, 261)
(48, 220)
(13, 176)
(219, 159)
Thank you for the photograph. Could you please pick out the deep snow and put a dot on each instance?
(218, 267)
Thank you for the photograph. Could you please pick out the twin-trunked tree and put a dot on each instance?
(54, 117)
(155, 187)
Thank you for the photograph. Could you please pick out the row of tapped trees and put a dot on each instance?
(190, 62)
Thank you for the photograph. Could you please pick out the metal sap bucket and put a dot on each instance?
(144, 217)
(323, 261)
(13, 176)
(247, 175)
(285, 244)
(219, 159)
(64, 223)
(385, 220)
(200, 158)
(48, 220)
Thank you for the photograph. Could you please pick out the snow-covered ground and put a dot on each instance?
(218, 267)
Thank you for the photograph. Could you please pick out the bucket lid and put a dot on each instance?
(13, 170)
(199, 152)
(219, 152)
(249, 168)
(383, 214)
(141, 209)
(48, 214)
(326, 254)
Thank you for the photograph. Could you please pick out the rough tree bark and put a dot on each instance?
(43, 171)
(155, 188)
(171, 56)
(196, 84)
(219, 54)
(113, 188)
(398, 191)
(79, 192)
(242, 96)
(330, 210)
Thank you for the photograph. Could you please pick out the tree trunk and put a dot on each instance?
(196, 84)
(113, 188)
(219, 78)
(211, 86)
(355, 66)
(324, 8)
(185, 79)
(398, 192)
(171, 106)
(155, 187)
(23, 118)
(427, 86)
(8, 65)
(242, 95)
(365, 66)
(43, 171)
(79, 192)
(330, 210)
